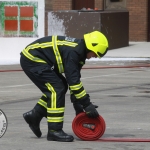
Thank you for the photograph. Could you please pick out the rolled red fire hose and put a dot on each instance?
(88, 129)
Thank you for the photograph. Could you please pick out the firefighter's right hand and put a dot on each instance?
(91, 111)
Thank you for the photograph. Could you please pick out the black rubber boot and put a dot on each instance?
(33, 118)
(59, 136)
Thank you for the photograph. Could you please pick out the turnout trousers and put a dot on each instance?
(53, 86)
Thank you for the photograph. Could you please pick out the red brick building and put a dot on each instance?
(139, 13)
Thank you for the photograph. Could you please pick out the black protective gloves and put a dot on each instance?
(84, 104)
(78, 107)
(91, 111)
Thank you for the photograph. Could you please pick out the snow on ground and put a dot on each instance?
(17, 61)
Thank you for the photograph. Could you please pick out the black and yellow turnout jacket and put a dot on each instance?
(66, 55)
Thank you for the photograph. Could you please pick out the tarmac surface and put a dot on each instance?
(121, 89)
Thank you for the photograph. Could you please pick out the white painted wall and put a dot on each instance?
(55, 25)
(10, 48)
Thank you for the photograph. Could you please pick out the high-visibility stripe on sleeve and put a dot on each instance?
(78, 90)
(76, 87)
(80, 95)
(71, 44)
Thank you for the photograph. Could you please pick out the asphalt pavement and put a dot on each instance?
(118, 84)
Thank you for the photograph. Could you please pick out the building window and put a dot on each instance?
(18, 19)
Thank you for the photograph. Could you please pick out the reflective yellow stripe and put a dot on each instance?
(53, 109)
(71, 92)
(76, 87)
(80, 95)
(57, 54)
(55, 119)
(34, 46)
(41, 45)
(31, 57)
(53, 95)
(43, 103)
(81, 62)
(44, 95)
(67, 43)
(56, 110)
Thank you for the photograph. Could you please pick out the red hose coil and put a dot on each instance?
(88, 129)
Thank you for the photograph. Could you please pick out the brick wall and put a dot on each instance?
(67, 4)
(137, 15)
(99, 4)
(62, 5)
(137, 19)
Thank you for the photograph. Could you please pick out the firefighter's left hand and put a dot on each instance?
(79, 108)
(91, 111)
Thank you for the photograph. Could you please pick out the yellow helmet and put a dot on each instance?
(96, 42)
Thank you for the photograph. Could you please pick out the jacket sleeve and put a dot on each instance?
(72, 73)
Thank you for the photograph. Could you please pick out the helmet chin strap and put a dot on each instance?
(87, 50)
(101, 55)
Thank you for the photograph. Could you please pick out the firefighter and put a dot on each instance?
(44, 61)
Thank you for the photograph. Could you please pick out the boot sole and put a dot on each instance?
(59, 140)
(27, 119)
